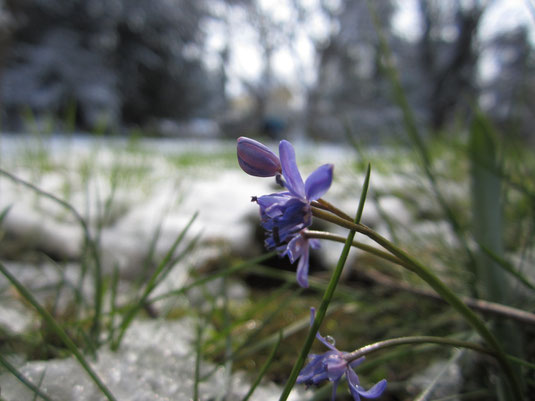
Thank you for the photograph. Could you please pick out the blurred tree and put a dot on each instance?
(118, 61)
(158, 54)
(507, 94)
(449, 56)
(349, 83)
(439, 68)
(6, 23)
(272, 35)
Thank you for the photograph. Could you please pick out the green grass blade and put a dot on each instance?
(264, 368)
(249, 345)
(51, 322)
(228, 339)
(198, 356)
(41, 378)
(428, 391)
(488, 227)
(214, 276)
(173, 261)
(4, 213)
(327, 296)
(414, 135)
(150, 253)
(487, 219)
(168, 258)
(20, 377)
(284, 301)
(141, 302)
(287, 331)
(508, 267)
(113, 302)
(363, 194)
(90, 243)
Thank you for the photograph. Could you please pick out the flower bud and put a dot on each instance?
(256, 159)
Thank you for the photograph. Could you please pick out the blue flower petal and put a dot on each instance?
(291, 174)
(296, 248)
(319, 182)
(257, 159)
(318, 335)
(311, 369)
(375, 392)
(336, 366)
(335, 387)
(353, 383)
(358, 391)
(320, 377)
(315, 371)
(272, 205)
(302, 268)
(314, 243)
(357, 362)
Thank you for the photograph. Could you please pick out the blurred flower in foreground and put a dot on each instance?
(285, 215)
(332, 365)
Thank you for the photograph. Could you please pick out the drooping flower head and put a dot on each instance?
(286, 214)
(332, 365)
(283, 218)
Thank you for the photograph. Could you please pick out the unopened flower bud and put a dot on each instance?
(256, 159)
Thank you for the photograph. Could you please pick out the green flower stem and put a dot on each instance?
(327, 296)
(58, 330)
(443, 290)
(477, 304)
(394, 342)
(323, 204)
(368, 248)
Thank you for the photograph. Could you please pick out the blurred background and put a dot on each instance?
(214, 68)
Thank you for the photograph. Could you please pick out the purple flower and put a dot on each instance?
(332, 365)
(256, 159)
(285, 215)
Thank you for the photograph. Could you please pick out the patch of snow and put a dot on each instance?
(156, 361)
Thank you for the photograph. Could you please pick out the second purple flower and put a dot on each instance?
(333, 365)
